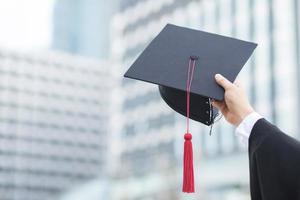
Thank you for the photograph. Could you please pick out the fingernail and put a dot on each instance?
(218, 76)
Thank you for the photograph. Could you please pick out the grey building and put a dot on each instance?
(53, 123)
(145, 134)
(149, 135)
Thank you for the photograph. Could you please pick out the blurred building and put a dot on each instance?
(82, 26)
(145, 135)
(53, 116)
(147, 162)
(147, 158)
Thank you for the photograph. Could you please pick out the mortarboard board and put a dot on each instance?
(178, 56)
(165, 60)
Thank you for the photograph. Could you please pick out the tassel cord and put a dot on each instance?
(188, 168)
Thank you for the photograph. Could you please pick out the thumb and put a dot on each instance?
(237, 83)
(222, 81)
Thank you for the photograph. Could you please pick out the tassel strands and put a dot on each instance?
(188, 168)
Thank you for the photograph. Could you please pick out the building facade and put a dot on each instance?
(53, 116)
(82, 27)
(149, 135)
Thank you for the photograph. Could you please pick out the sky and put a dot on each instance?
(25, 24)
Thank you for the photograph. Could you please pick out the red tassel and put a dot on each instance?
(188, 168)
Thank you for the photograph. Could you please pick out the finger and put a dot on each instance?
(222, 81)
(219, 104)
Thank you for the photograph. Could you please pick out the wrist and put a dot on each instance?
(245, 113)
(243, 130)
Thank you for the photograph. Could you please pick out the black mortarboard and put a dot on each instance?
(166, 58)
(179, 56)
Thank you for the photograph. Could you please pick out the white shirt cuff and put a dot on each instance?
(243, 130)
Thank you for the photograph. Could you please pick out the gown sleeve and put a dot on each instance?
(274, 159)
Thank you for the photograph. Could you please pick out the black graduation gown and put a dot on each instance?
(274, 163)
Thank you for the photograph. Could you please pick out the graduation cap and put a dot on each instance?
(183, 62)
